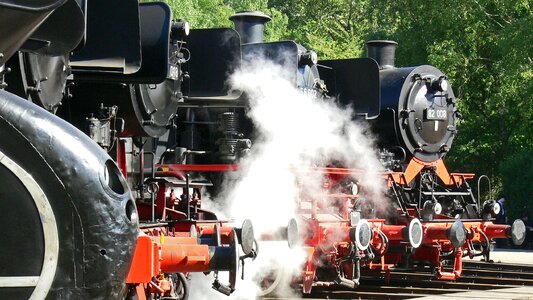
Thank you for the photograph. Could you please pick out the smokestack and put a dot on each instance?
(250, 25)
(383, 52)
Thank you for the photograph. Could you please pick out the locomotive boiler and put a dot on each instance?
(70, 223)
(114, 74)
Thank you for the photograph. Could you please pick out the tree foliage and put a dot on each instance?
(519, 165)
(484, 46)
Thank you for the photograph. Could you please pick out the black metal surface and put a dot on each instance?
(354, 82)
(21, 253)
(87, 194)
(250, 25)
(40, 79)
(147, 109)
(61, 32)
(402, 122)
(112, 40)
(283, 54)
(215, 55)
(154, 23)
(383, 52)
(18, 20)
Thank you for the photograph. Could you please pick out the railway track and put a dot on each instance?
(479, 279)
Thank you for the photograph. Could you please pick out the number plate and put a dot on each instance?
(436, 114)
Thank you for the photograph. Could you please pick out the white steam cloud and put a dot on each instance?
(295, 133)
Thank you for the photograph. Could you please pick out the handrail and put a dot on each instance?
(478, 189)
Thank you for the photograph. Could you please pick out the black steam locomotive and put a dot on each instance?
(69, 218)
(116, 211)
(74, 230)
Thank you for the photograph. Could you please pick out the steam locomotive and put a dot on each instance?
(416, 127)
(110, 188)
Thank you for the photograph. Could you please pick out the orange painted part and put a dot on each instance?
(394, 177)
(453, 178)
(415, 166)
(413, 169)
(180, 240)
(176, 258)
(155, 288)
(209, 229)
(178, 254)
(381, 266)
(336, 171)
(458, 177)
(145, 264)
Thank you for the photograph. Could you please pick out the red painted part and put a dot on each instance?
(161, 201)
(457, 268)
(394, 232)
(435, 231)
(435, 242)
(495, 231)
(170, 173)
(121, 157)
(438, 231)
(308, 275)
(197, 167)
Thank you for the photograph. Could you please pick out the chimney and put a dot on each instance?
(383, 52)
(250, 25)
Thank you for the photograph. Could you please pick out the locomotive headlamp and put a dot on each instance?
(179, 28)
(492, 207)
(437, 208)
(355, 217)
(440, 84)
(308, 58)
(432, 207)
(496, 208)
